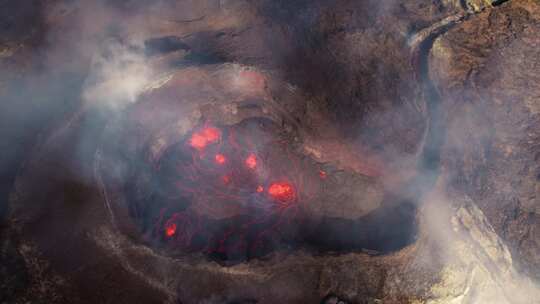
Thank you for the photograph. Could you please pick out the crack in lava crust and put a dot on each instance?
(232, 193)
(235, 193)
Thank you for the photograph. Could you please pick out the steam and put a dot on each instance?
(117, 76)
(477, 265)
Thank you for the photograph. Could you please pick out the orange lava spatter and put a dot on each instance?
(199, 140)
(251, 161)
(170, 229)
(220, 159)
(281, 191)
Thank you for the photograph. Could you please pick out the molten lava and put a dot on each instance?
(220, 159)
(251, 161)
(199, 140)
(170, 229)
(283, 192)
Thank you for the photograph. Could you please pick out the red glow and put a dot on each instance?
(211, 134)
(251, 161)
(199, 140)
(170, 229)
(226, 179)
(323, 174)
(281, 191)
(220, 159)
(260, 189)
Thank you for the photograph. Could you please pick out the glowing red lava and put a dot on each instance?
(220, 159)
(199, 140)
(282, 192)
(170, 229)
(251, 161)
(323, 174)
(260, 189)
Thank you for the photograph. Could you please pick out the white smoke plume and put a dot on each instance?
(117, 76)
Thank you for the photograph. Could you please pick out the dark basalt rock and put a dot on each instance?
(487, 69)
